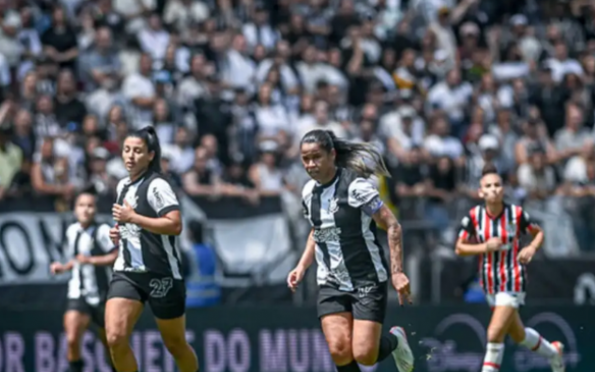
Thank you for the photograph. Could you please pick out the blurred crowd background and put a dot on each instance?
(439, 86)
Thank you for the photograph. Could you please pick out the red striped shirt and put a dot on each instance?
(499, 271)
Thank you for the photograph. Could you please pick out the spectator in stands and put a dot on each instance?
(11, 158)
(200, 180)
(265, 175)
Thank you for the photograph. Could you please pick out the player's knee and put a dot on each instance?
(365, 356)
(116, 338)
(341, 351)
(495, 334)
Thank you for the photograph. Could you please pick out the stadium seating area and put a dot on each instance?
(439, 86)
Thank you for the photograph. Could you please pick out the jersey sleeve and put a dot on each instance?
(162, 198)
(467, 228)
(362, 194)
(103, 239)
(527, 224)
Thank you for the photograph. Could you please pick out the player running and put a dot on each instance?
(492, 231)
(344, 207)
(92, 255)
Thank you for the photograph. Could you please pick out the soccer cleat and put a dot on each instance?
(557, 362)
(402, 354)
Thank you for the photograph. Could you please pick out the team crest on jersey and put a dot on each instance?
(333, 206)
(511, 229)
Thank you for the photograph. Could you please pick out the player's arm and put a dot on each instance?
(105, 243)
(466, 232)
(308, 256)
(387, 220)
(528, 226)
(362, 194)
(163, 200)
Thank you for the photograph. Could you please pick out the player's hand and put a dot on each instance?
(401, 284)
(83, 259)
(493, 244)
(526, 255)
(57, 268)
(295, 277)
(122, 213)
(114, 235)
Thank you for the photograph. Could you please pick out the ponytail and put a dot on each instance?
(149, 136)
(362, 158)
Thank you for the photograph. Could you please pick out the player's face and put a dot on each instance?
(84, 208)
(491, 188)
(317, 161)
(136, 155)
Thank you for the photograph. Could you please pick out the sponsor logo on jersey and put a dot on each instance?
(330, 234)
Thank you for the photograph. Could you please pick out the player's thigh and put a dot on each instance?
(76, 321)
(338, 329)
(505, 307)
(121, 314)
(125, 302)
(366, 341)
(516, 330)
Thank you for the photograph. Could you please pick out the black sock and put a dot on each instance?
(76, 366)
(388, 343)
(351, 367)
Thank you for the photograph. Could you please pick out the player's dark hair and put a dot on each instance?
(149, 137)
(363, 158)
(489, 168)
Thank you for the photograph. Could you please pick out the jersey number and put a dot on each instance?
(160, 287)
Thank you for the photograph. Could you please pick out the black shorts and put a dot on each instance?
(365, 303)
(166, 296)
(95, 312)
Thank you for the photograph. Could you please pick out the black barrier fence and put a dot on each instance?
(288, 339)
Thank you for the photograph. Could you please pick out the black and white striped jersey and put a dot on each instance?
(88, 281)
(347, 251)
(140, 250)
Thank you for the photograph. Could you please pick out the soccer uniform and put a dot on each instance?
(502, 277)
(352, 269)
(88, 286)
(148, 267)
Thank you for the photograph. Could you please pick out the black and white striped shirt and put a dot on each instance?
(89, 282)
(142, 251)
(347, 251)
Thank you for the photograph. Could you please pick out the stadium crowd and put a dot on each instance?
(439, 86)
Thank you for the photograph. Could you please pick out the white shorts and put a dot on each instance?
(511, 299)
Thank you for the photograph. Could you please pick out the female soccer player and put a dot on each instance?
(492, 231)
(148, 267)
(344, 208)
(92, 253)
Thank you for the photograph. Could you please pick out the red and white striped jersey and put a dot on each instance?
(499, 271)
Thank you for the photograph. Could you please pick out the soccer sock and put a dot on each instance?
(351, 367)
(538, 344)
(76, 366)
(388, 343)
(493, 357)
